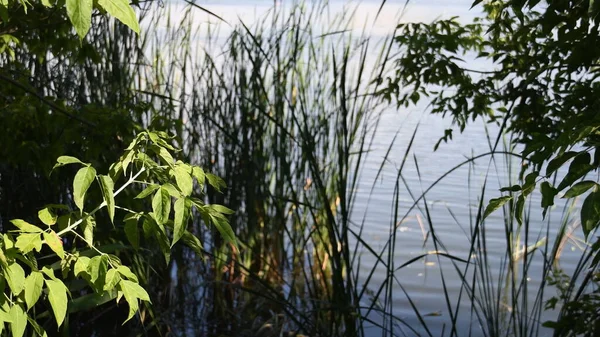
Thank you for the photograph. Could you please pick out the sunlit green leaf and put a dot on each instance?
(132, 288)
(112, 279)
(198, 173)
(108, 186)
(65, 160)
(182, 212)
(83, 179)
(15, 277)
(47, 216)
(33, 288)
(147, 191)
(80, 14)
(161, 206)
(121, 10)
(224, 228)
(55, 243)
(221, 209)
(97, 269)
(183, 177)
(18, 320)
(87, 227)
(57, 295)
(25, 227)
(27, 242)
(81, 265)
(125, 271)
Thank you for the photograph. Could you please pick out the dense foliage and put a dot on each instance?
(538, 79)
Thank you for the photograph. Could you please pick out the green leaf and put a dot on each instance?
(97, 269)
(182, 213)
(80, 14)
(578, 168)
(47, 216)
(224, 228)
(147, 191)
(83, 179)
(519, 209)
(131, 232)
(183, 177)
(57, 295)
(222, 209)
(81, 265)
(15, 277)
(548, 194)
(121, 10)
(55, 243)
(25, 226)
(494, 204)
(513, 188)
(198, 173)
(87, 227)
(18, 320)
(112, 279)
(215, 181)
(579, 188)
(39, 331)
(27, 242)
(125, 271)
(33, 288)
(558, 161)
(590, 213)
(65, 160)
(529, 185)
(132, 288)
(108, 187)
(161, 206)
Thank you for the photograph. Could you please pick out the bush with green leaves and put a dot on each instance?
(49, 263)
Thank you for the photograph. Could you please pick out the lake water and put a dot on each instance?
(452, 203)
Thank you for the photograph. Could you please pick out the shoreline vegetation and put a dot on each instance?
(280, 119)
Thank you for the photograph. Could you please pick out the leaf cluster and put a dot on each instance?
(30, 285)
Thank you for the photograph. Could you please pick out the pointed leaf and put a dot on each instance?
(182, 213)
(121, 10)
(183, 177)
(125, 271)
(25, 227)
(87, 227)
(558, 161)
(33, 288)
(112, 279)
(132, 288)
(97, 269)
(132, 232)
(55, 243)
(83, 179)
(590, 213)
(19, 320)
(47, 216)
(579, 188)
(161, 206)
(57, 295)
(494, 204)
(65, 160)
(80, 14)
(27, 242)
(578, 168)
(81, 265)
(15, 277)
(108, 189)
(147, 191)
(224, 228)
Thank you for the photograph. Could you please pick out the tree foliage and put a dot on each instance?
(539, 81)
(73, 256)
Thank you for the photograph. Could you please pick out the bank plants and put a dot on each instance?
(54, 265)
